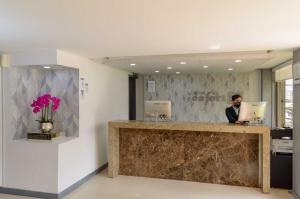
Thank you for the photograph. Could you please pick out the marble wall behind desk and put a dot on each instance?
(199, 97)
(23, 84)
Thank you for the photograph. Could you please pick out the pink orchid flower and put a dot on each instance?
(44, 101)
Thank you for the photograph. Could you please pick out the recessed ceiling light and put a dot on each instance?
(157, 71)
(169, 68)
(182, 62)
(132, 64)
(238, 61)
(205, 66)
(230, 69)
(47, 67)
(215, 47)
(177, 73)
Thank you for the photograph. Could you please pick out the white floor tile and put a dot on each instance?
(128, 187)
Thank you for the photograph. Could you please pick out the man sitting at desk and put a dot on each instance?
(232, 112)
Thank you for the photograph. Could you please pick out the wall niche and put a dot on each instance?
(23, 84)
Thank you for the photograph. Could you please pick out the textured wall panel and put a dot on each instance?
(23, 84)
(202, 97)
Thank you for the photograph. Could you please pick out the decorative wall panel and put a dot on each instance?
(201, 97)
(23, 84)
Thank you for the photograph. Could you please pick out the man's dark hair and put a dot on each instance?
(234, 97)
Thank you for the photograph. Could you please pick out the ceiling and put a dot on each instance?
(199, 63)
(100, 28)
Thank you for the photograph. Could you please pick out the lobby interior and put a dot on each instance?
(126, 99)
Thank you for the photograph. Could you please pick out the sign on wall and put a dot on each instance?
(211, 96)
(151, 86)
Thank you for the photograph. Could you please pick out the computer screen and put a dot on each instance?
(157, 110)
(251, 111)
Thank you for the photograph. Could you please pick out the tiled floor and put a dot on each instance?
(125, 187)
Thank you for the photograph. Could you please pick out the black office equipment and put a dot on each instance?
(282, 163)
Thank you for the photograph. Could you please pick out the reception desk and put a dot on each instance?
(201, 152)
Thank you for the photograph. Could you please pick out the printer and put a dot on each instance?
(283, 145)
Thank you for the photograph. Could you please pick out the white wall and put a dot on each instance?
(107, 99)
(52, 167)
(29, 165)
(37, 57)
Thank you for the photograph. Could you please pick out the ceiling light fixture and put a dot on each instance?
(238, 61)
(132, 64)
(157, 71)
(177, 73)
(230, 69)
(169, 68)
(182, 62)
(205, 66)
(215, 47)
(47, 67)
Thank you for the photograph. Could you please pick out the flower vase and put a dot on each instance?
(46, 127)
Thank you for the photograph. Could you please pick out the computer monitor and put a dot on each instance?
(158, 110)
(252, 111)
